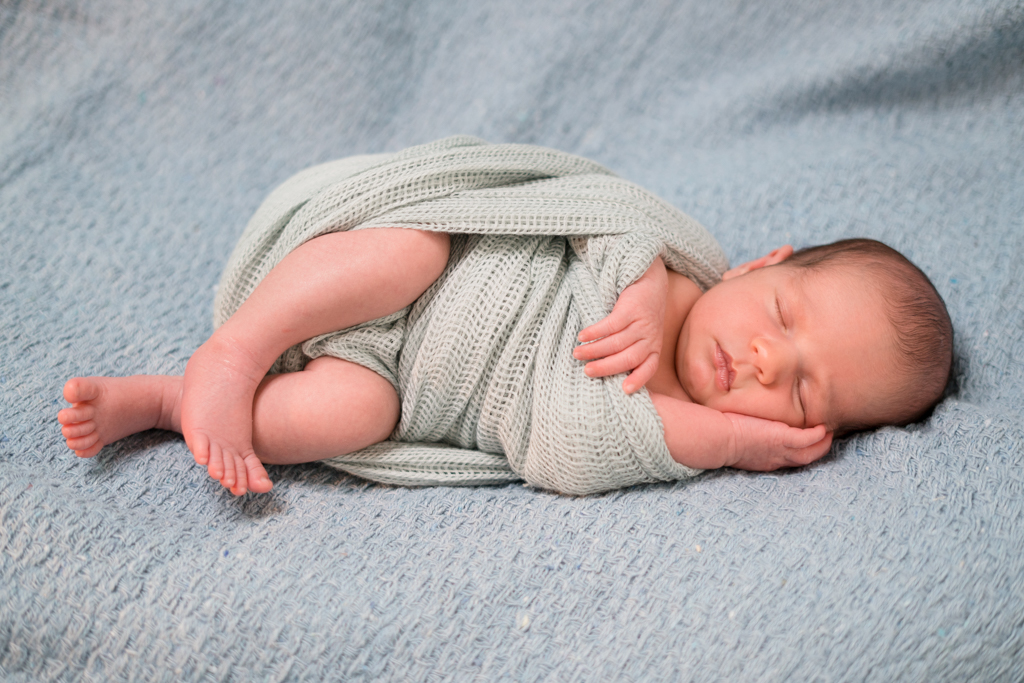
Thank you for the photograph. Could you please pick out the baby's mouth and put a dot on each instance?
(724, 374)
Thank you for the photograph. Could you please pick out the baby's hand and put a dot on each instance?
(629, 339)
(763, 445)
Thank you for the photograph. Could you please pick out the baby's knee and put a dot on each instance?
(433, 247)
(424, 256)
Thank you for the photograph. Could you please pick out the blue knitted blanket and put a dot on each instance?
(136, 139)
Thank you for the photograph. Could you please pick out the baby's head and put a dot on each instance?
(920, 331)
(851, 335)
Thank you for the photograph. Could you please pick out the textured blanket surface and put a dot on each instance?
(482, 361)
(136, 140)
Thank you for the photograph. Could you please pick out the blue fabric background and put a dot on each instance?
(137, 138)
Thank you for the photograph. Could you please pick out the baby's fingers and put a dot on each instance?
(803, 438)
(805, 456)
(616, 321)
(606, 346)
(641, 375)
(624, 361)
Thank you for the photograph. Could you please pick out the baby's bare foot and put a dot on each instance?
(105, 409)
(216, 415)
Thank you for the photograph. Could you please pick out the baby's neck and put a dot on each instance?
(682, 294)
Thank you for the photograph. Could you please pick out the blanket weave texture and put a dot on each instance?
(138, 138)
(545, 242)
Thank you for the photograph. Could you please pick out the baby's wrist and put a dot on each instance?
(732, 445)
(696, 436)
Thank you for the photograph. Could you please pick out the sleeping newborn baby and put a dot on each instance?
(375, 317)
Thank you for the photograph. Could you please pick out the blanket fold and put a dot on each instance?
(543, 242)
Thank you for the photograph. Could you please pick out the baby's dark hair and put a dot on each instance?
(921, 329)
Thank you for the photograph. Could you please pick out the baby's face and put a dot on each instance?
(787, 344)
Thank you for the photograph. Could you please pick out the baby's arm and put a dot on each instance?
(629, 339)
(703, 438)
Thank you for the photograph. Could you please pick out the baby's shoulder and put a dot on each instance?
(682, 291)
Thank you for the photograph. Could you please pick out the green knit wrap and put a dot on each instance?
(543, 242)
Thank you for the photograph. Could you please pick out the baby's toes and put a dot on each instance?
(200, 447)
(241, 483)
(84, 442)
(91, 451)
(78, 429)
(256, 475)
(78, 389)
(228, 478)
(214, 461)
(69, 416)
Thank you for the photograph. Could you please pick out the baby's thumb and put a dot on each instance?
(802, 438)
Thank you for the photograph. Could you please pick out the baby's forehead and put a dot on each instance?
(844, 286)
(842, 301)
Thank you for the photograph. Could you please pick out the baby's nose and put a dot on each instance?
(773, 360)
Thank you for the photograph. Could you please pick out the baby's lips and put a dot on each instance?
(724, 374)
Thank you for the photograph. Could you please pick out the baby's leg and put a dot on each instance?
(330, 283)
(106, 409)
(331, 408)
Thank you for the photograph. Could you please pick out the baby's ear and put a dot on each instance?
(770, 259)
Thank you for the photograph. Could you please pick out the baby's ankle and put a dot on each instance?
(246, 354)
(170, 405)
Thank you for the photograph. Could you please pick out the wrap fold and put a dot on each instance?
(543, 242)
